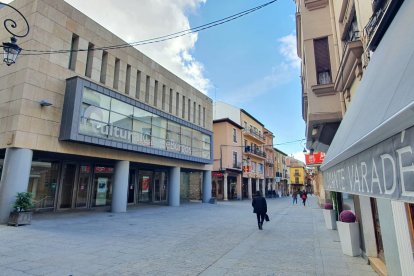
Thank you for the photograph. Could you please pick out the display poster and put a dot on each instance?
(102, 188)
(145, 184)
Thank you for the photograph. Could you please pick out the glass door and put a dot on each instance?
(102, 186)
(160, 187)
(145, 186)
(83, 190)
(377, 228)
(67, 186)
(131, 187)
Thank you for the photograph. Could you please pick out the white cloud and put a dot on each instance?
(138, 20)
(299, 156)
(288, 50)
(281, 74)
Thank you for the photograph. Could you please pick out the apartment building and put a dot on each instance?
(357, 63)
(297, 173)
(281, 172)
(96, 127)
(228, 156)
(253, 144)
(269, 170)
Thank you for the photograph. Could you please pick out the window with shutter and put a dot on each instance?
(322, 61)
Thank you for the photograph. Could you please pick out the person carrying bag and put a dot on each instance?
(260, 208)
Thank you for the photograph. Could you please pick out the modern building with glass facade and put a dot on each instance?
(121, 129)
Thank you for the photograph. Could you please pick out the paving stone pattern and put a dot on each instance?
(193, 239)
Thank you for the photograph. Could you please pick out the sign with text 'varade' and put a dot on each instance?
(384, 170)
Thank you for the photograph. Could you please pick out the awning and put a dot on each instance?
(384, 102)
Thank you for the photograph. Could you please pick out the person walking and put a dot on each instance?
(304, 196)
(294, 197)
(260, 208)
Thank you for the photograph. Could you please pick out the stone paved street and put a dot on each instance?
(194, 239)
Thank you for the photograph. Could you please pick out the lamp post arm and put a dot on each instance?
(10, 23)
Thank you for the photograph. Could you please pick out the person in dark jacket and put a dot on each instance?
(260, 208)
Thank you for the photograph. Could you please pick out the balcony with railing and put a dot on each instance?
(255, 151)
(254, 133)
(383, 14)
(351, 62)
(237, 165)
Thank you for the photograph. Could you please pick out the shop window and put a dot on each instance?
(43, 182)
(102, 189)
(322, 61)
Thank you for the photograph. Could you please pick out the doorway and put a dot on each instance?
(377, 229)
(67, 187)
(152, 186)
(145, 179)
(83, 187)
(160, 187)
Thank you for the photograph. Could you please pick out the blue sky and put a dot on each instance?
(250, 62)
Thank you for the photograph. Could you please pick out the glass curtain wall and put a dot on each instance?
(106, 117)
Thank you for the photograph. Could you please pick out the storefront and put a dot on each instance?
(117, 129)
(370, 163)
(218, 189)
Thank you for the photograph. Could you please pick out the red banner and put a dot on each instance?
(314, 159)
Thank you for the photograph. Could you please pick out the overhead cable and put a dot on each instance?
(156, 39)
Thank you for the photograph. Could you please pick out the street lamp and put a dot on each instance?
(10, 49)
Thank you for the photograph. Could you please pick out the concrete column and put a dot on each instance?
(368, 226)
(225, 187)
(249, 187)
(239, 187)
(207, 186)
(15, 178)
(257, 184)
(389, 237)
(404, 243)
(174, 187)
(120, 187)
(263, 187)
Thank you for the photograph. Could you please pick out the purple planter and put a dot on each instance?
(328, 206)
(347, 216)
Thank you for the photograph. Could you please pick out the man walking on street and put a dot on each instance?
(295, 197)
(260, 208)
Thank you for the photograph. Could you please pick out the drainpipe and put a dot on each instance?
(335, 38)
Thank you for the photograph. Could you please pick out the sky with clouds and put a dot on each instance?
(250, 62)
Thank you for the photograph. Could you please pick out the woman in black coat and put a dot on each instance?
(260, 208)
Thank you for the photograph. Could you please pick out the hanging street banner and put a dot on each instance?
(384, 170)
